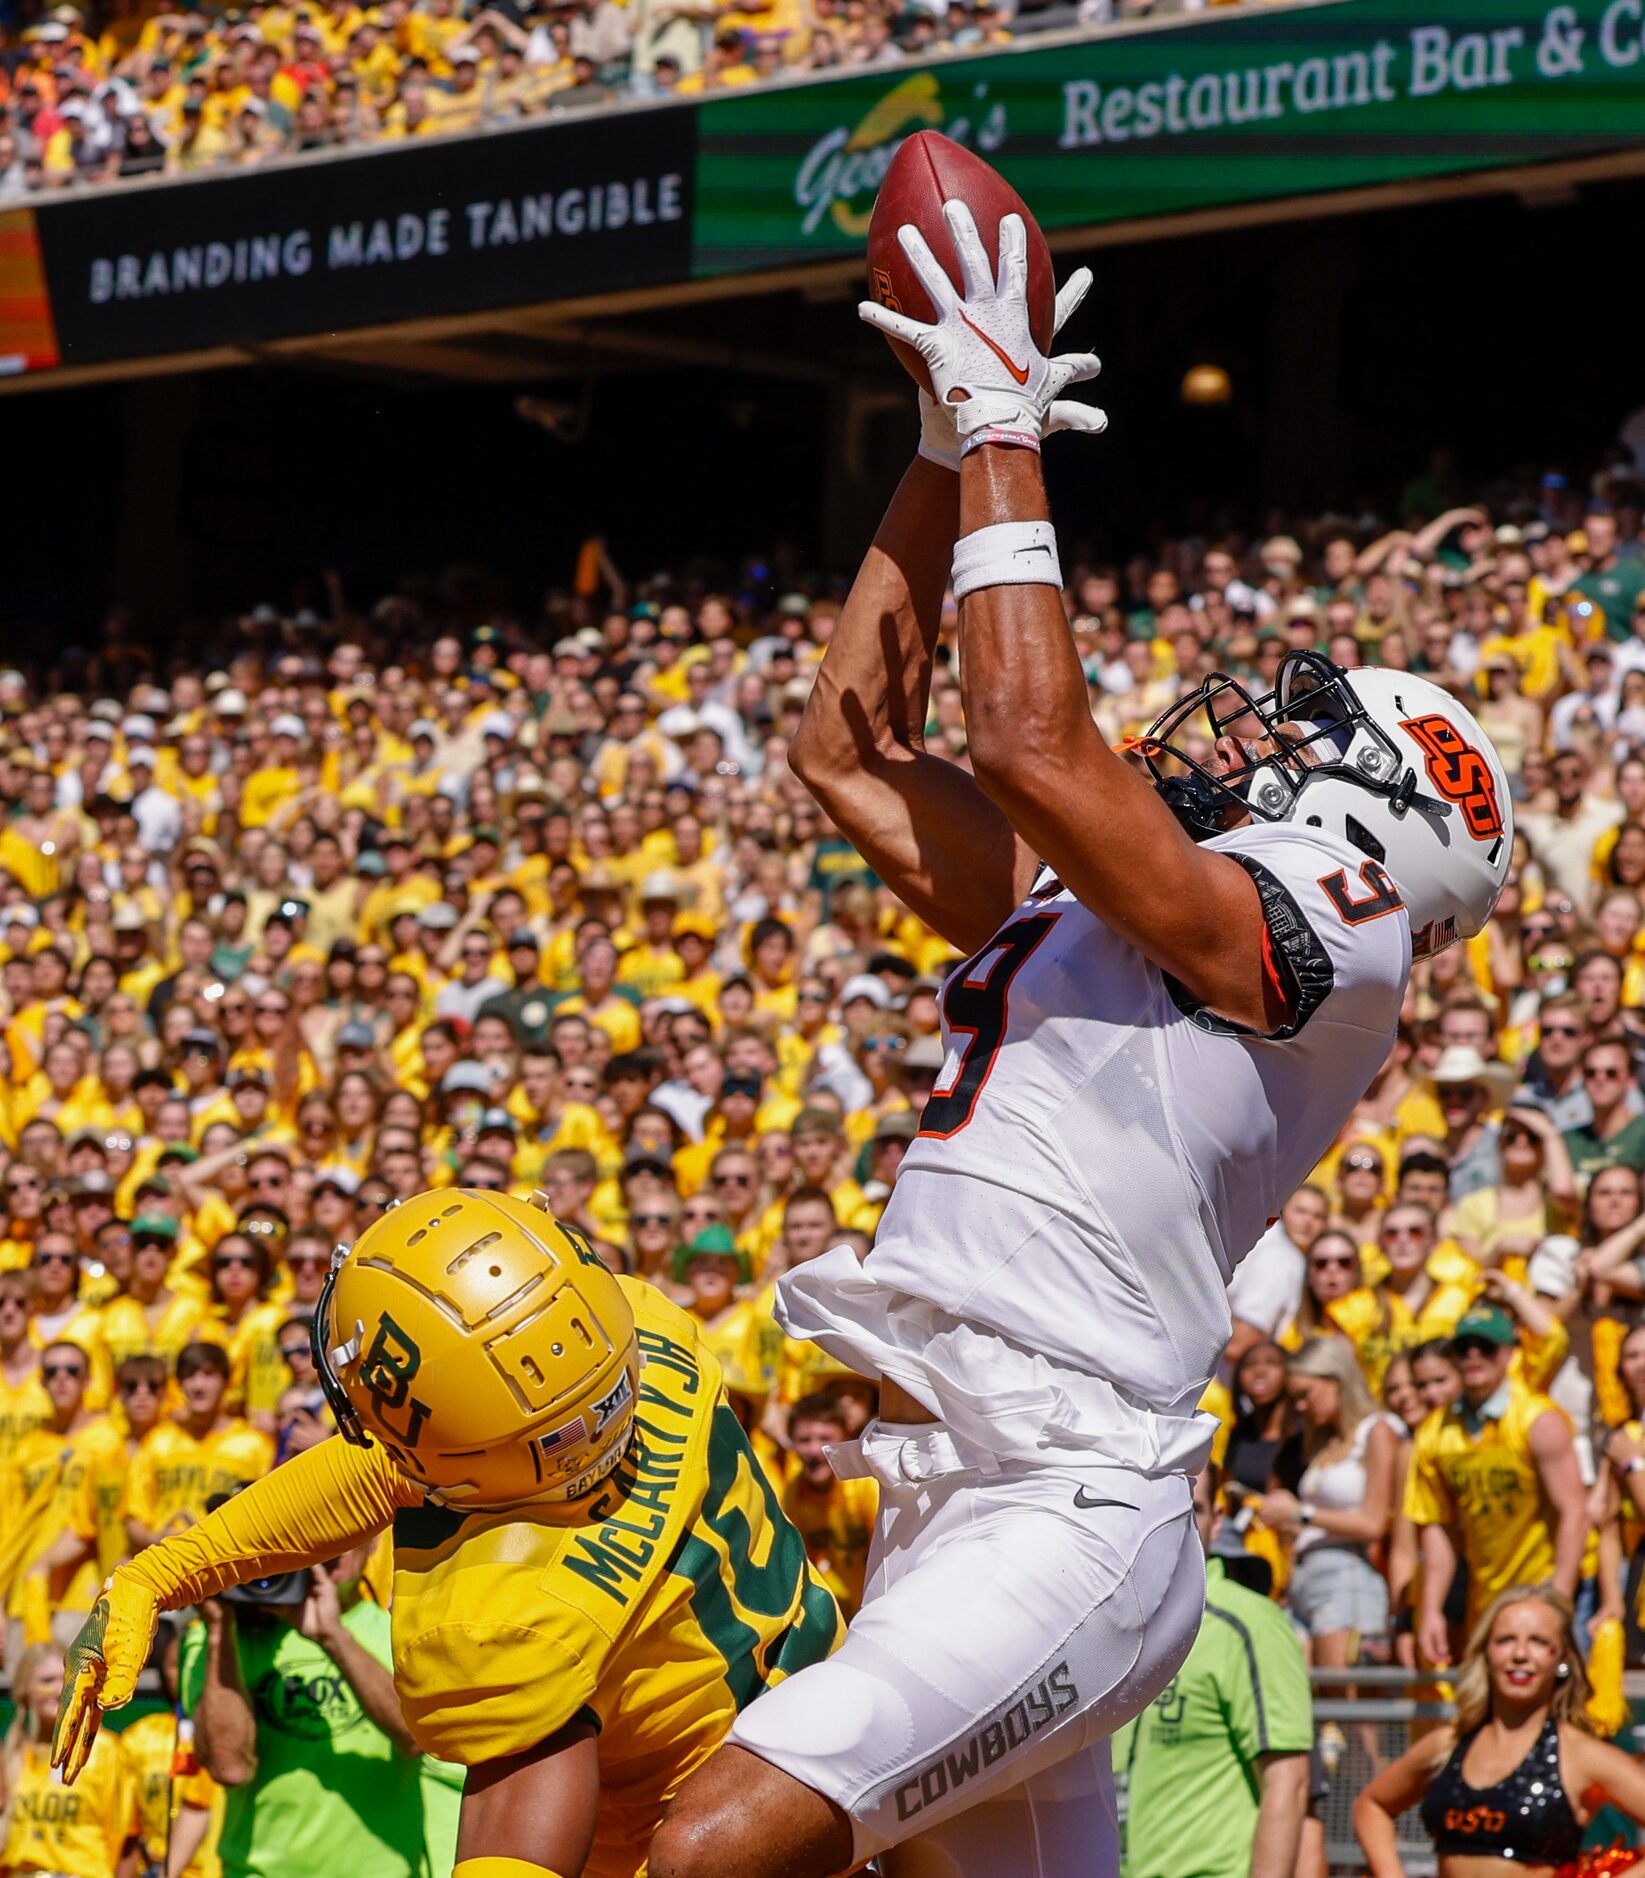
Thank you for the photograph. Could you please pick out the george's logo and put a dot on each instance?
(1459, 773)
(841, 173)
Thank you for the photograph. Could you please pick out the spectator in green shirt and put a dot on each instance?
(295, 1714)
(1615, 574)
(1616, 1135)
(1216, 1769)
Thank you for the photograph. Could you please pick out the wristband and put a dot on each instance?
(1012, 436)
(500, 1868)
(1007, 554)
(1305, 1512)
(1637, 1464)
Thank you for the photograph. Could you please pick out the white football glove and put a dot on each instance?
(985, 368)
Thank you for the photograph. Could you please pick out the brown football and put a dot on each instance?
(926, 172)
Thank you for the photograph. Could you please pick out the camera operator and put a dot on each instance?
(289, 1684)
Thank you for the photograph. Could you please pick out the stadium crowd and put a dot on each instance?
(93, 92)
(361, 905)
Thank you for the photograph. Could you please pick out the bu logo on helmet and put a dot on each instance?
(1459, 772)
(389, 1365)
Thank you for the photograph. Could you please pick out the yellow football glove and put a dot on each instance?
(102, 1666)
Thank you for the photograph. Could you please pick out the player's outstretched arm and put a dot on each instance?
(1035, 751)
(318, 1504)
(1039, 755)
(920, 822)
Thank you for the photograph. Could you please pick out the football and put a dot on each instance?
(926, 172)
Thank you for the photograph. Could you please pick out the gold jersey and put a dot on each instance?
(1486, 1487)
(677, 1595)
(76, 1831)
(658, 1605)
(168, 1778)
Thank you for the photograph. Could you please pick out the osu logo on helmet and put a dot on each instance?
(1459, 773)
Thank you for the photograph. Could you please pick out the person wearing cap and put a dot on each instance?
(708, 1269)
(1494, 1483)
(695, 935)
(1469, 1089)
(402, 887)
(893, 1135)
(653, 966)
(154, 1314)
(822, 1159)
(279, 778)
(526, 1005)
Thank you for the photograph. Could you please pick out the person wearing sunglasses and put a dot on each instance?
(1552, 1078)
(75, 1452)
(152, 1316)
(1494, 1483)
(25, 1199)
(1410, 1303)
(1616, 1135)
(653, 1224)
(202, 1452)
(1362, 1179)
(1332, 1269)
(242, 1319)
(307, 1259)
(59, 1309)
(1537, 1194)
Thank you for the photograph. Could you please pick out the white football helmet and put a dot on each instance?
(1388, 761)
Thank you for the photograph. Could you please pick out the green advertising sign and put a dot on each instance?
(1256, 106)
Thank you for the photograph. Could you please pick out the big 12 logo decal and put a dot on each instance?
(1459, 773)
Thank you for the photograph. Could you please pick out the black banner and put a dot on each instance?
(448, 225)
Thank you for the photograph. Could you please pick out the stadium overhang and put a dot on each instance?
(595, 242)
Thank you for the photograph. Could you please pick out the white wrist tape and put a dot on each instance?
(1007, 554)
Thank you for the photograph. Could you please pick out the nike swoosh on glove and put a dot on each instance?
(101, 1668)
(980, 351)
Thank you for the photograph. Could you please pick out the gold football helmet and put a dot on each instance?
(484, 1345)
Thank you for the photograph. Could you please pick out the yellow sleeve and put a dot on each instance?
(1427, 1498)
(140, 1494)
(1539, 1358)
(318, 1504)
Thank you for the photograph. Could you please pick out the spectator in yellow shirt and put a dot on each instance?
(83, 1835)
(1493, 1482)
(834, 1517)
(205, 1451)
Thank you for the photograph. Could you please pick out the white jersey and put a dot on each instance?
(1050, 1277)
